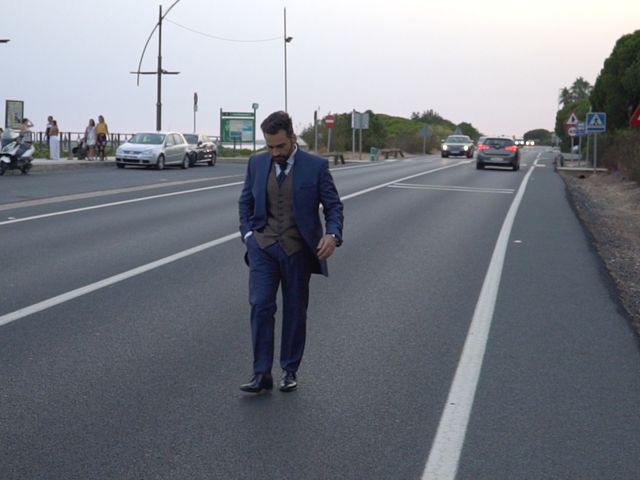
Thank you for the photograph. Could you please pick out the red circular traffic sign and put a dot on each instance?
(329, 121)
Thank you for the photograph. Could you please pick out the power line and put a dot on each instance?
(223, 38)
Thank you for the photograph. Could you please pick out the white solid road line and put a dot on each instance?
(444, 456)
(113, 204)
(103, 193)
(452, 188)
(57, 300)
(51, 302)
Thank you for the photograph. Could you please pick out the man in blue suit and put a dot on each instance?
(281, 228)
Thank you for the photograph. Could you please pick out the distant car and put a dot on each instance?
(498, 151)
(530, 143)
(201, 149)
(457, 145)
(519, 142)
(157, 149)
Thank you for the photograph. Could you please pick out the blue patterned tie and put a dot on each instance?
(282, 175)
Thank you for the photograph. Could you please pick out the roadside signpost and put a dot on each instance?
(635, 118)
(572, 120)
(195, 109)
(359, 121)
(329, 122)
(13, 114)
(425, 132)
(237, 127)
(596, 123)
(570, 127)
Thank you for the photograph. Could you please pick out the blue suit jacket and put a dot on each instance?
(312, 186)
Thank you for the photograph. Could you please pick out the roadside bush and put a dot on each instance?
(620, 150)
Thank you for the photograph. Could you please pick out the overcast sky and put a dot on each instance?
(498, 64)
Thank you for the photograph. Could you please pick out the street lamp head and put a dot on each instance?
(5, 40)
(288, 39)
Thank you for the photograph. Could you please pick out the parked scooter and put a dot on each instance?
(14, 155)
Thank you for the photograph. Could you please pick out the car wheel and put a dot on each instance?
(120, 165)
(3, 168)
(469, 154)
(186, 162)
(212, 162)
(479, 166)
(516, 167)
(160, 164)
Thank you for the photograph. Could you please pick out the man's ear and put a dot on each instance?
(294, 139)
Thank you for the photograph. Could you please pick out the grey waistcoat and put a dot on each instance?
(281, 223)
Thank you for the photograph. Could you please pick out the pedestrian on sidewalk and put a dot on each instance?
(286, 243)
(54, 141)
(90, 138)
(102, 130)
(47, 131)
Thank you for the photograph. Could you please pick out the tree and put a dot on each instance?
(539, 135)
(576, 92)
(469, 130)
(565, 97)
(617, 88)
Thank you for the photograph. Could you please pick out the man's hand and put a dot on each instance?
(326, 246)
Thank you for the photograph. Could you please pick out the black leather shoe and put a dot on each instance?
(258, 383)
(289, 382)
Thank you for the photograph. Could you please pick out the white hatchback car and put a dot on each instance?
(154, 149)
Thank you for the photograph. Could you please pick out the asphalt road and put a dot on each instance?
(468, 330)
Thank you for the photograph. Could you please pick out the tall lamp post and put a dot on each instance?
(286, 40)
(159, 71)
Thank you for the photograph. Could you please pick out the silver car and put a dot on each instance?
(154, 149)
(457, 145)
(498, 151)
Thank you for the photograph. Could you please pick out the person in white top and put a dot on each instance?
(90, 138)
(54, 141)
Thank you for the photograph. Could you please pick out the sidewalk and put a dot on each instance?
(40, 164)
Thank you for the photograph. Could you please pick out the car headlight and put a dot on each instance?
(466, 147)
(147, 153)
(445, 147)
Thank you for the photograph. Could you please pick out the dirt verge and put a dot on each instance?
(609, 207)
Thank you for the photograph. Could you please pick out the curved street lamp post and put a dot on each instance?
(159, 72)
(286, 40)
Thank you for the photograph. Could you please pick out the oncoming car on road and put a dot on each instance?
(457, 145)
(157, 149)
(498, 151)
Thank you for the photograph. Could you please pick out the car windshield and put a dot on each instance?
(458, 139)
(498, 142)
(190, 138)
(147, 138)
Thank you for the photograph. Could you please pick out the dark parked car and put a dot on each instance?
(201, 149)
(498, 151)
(457, 145)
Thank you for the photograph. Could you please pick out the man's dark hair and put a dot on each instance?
(277, 121)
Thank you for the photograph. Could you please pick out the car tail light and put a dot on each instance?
(513, 148)
(482, 146)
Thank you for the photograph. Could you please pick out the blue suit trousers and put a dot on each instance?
(270, 269)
